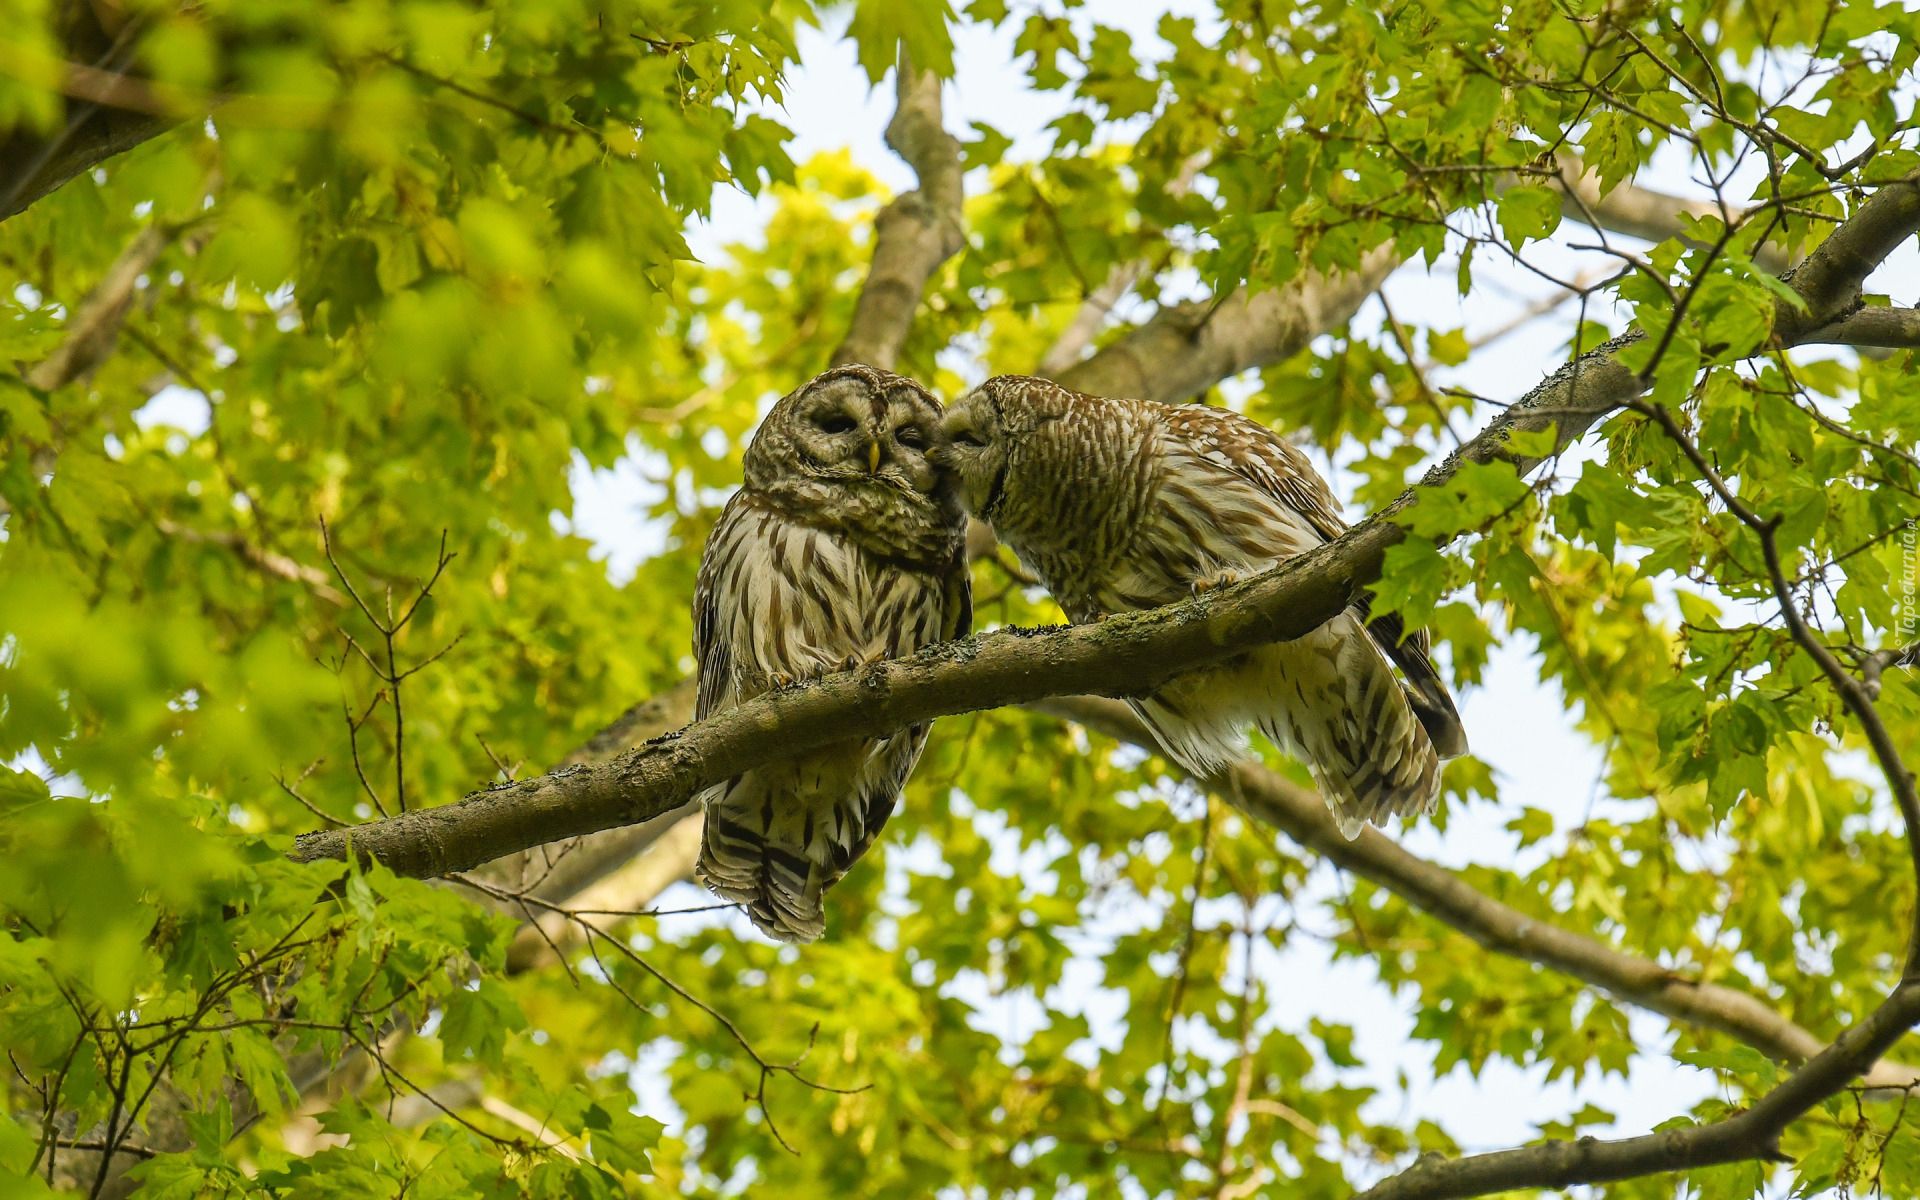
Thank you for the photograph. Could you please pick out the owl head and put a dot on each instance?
(983, 429)
(848, 450)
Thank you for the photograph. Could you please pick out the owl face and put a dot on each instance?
(976, 438)
(854, 425)
(850, 450)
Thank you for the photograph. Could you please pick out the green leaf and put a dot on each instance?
(985, 150)
(477, 1020)
(882, 30)
(1742, 1062)
(1413, 578)
(623, 1140)
(1528, 213)
(1449, 348)
(1477, 493)
(1532, 824)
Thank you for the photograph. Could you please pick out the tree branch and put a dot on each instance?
(1302, 815)
(1754, 1133)
(38, 166)
(914, 234)
(96, 323)
(557, 873)
(1086, 322)
(1639, 212)
(93, 330)
(258, 557)
(1895, 328)
(97, 124)
(1184, 349)
(1126, 655)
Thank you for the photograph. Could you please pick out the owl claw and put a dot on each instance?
(1214, 583)
(780, 680)
(850, 663)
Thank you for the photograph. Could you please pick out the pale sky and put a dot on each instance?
(1515, 723)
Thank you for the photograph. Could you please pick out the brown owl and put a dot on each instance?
(1119, 505)
(845, 545)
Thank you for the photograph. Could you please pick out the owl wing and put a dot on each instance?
(777, 600)
(944, 609)
(956, 588)
(710, 652)
(1281, 470)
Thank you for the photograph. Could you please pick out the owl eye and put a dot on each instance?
(912, 436)
(835, 422)
(967, 437)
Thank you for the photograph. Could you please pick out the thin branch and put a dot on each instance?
(259, 557)
(1750, 1134)
(1126, 655)
(1853, 692)
(1442, 894)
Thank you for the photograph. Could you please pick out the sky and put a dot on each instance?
(1516, 724)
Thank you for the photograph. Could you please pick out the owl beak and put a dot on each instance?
(873, 458)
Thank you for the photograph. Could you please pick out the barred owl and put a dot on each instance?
(1119, 505)
(844, 545)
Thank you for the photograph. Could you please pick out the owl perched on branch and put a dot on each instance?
(1119, 505)
(845, 545)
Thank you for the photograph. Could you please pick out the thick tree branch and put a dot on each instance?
(1892, 328)
(1086, 322)
(623, 892)
(1640, 212)
(915, 233)
(1831, 277)
(1184, 349)
(1302, 815)
(93, 330)
(1753, 1133)
(97, 123)
(557, 873)
(1125, 655)
(35, 166)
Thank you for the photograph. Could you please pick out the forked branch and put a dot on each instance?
(1123, 656)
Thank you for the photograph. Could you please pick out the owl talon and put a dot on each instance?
(1214, 583)
(851, 662)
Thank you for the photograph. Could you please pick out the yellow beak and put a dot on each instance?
(873, 457)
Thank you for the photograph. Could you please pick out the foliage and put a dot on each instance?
(425, 263)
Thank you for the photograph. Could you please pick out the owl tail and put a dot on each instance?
(1432, 704)
(1328, 699)
(775, 841)
(1363, 740)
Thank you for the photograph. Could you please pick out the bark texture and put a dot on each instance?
(1440, 893)
(914, 234)
(1123, 656)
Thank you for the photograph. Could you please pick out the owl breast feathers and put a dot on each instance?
(844, 545)
(1118, 505)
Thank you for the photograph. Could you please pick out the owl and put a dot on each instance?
(1118, 505)
(846, 544)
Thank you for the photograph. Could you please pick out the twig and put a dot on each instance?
(1853, 692)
